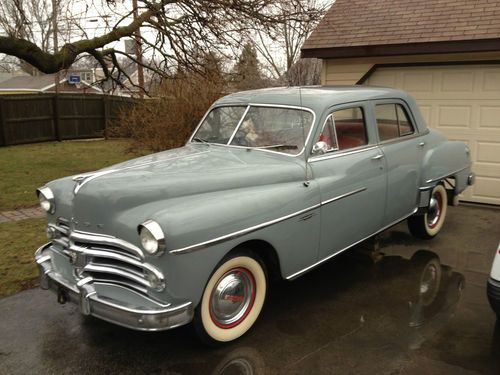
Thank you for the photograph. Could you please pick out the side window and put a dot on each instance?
(392, 121)
(344, 129)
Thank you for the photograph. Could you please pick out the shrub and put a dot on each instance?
(168, 120)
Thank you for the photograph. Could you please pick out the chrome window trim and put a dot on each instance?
(298, 273)
(284, 106)
(240, 233)
(238, 125)
(401, 139)
(334, 130)
(340, 153)
(343, 196)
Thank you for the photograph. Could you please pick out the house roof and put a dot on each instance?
(45, 82)
(31, 83)
(355, 28)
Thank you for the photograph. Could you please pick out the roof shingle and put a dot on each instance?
(351, 23)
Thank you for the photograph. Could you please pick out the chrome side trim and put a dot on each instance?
(107, 240)
(337, 154)
(343, 196)
(446, 175)
(239, 233)
(298, 273)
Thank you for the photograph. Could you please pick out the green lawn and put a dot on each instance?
(26, 167)
(18, 242)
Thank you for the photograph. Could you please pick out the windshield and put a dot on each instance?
(272, 128)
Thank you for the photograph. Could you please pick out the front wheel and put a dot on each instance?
(428, 225)
(232, 300)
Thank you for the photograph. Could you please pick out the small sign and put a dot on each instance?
(74, 79)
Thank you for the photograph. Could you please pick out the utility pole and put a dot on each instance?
(138, 51)
(56, 47)
(55, 107)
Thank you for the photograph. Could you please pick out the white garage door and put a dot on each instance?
(463, 102)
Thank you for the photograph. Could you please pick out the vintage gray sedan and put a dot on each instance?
(271, 184)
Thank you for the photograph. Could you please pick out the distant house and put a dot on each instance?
(45, 84)
(446, 53)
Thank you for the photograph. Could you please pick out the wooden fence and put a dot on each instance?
(50, 117)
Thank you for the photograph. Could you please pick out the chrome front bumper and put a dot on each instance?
(99, 299)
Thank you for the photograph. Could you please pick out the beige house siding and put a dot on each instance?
(350, 71)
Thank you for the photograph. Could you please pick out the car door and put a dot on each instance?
(350, 173)
(403, 152)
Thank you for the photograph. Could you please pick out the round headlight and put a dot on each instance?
(152, 237)
(46, 198)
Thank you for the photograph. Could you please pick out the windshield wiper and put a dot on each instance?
(280, 147)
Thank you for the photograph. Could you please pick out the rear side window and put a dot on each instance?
(344, 129)
(392, 121)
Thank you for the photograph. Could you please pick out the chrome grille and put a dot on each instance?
(106, 258)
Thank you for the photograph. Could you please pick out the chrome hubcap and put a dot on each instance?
(232, 298)
(434, 210)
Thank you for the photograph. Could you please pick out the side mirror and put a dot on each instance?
(320, 148)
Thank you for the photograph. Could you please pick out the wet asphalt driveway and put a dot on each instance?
(419, 309)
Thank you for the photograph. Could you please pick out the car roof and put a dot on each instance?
(314, 97)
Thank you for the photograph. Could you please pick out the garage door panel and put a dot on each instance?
(491, 81)
(489, 117)
(454, 116)
(457, 82)
(487, 188)
(463, 102)
(488, 152)
(417, 82)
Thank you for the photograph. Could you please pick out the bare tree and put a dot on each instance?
(173, 32)
(280, 46)
(30, 20)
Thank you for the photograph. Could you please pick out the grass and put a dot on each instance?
(18, 242)
(26, 167)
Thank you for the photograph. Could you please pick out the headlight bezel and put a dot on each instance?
(153, 229)
(46, 193)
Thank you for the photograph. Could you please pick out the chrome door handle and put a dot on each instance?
(421, 144)
(377, 157)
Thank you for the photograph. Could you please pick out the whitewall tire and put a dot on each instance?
(232, 300)
(428, 225)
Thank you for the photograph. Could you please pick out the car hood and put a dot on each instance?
(187, 171)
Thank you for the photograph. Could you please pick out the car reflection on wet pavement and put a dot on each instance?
(421, 307)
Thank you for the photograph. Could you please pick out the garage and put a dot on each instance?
(462, 102)
(445, 53)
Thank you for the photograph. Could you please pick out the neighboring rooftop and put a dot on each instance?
(41, 83)
(370, 27)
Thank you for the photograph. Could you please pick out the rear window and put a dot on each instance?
(392, 121)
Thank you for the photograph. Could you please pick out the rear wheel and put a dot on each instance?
(428, 225)
(232, 300)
